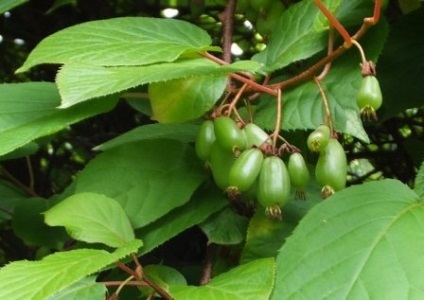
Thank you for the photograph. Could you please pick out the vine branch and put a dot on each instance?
(227, 20)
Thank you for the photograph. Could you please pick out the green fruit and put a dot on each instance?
(273, 186)
(221, 163)
(299, 173)
(228, 134)
(318, 139)
(204, 140)
(245, 170)
(331, 168)
(369, 95)
(255, 136)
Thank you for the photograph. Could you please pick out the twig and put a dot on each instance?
(30, 172)
(328, 121)
(277, 128)
(253, 85)
(15, 181)
(208, 266)
(226, 18)
(329, 51)
(131, 283)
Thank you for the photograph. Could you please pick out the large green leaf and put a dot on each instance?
(78, 82)
(92, 218)
(364, 242)
(37, 280)
(300, 33)
(6, 5)
(148, 178)
(181, 132)
(29, 111)
(127, 41)
(87, 288)
(185, 99)
(303, 107)
(251, 281)
(28, 224)
(201, 206)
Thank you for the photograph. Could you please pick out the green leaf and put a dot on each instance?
(225, 227)
(127, 41)
(78, 82)
(182, 100)
(86, 288)
(25, 150)
(419, 181)
(184, 133)
(92, 218)
(364, 242)
(28, 224)
(303, 106)
(307, 35)
(37, 280)
(264, 237)
(148, 178)
(29, 111)
(6, 5)
(253, 280)
(10, 197)
(163, 276)
(200, 207)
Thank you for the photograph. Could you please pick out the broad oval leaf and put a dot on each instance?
(365, 242)
(185, 133)
(127, 41)
(80, 82)
(307, 35)
(148, 178)
(24, 118)
(37, 280)
(92, 218)
(185, 99)
(251, 281)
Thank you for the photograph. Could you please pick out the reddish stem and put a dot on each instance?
(333, 20)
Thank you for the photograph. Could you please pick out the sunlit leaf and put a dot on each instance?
(37, 280)
(144, 41)
(253, 280)
(25, 118)
(364, 242)
(92, 218)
